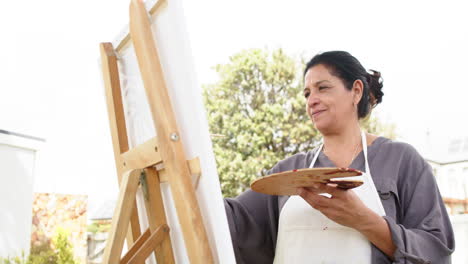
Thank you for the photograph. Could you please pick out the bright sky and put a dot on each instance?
(51, 85)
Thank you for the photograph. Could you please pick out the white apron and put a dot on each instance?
(305, 235)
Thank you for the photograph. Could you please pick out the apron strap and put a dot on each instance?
(364, 149)
(316, 156)
(368, 176)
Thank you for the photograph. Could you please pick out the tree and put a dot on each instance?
(257, 116)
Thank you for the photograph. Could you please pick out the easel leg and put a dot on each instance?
(115, 109)
(157, 216)
(134, 231)
(171, 147)
(122, 215)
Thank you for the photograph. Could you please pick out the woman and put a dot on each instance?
(396, 216)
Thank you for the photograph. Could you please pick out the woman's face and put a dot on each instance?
(330, 105)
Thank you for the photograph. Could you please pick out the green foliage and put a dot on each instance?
(93, 228)
(45, 254)
(257, 116)
(63, 247)
(14, 260)
(99, 227)
(42, 254)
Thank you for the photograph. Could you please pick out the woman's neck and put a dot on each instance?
(346, 139)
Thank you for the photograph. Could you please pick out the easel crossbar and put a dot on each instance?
(148, 246)
(140, 241)
(142, 156)
(146, 243)
(146, 155)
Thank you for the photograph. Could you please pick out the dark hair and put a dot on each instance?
(346, 67)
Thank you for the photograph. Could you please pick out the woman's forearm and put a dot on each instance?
(376, 230)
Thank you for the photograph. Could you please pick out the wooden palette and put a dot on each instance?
(287, 182)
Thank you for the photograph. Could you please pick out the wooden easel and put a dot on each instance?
(136, 166)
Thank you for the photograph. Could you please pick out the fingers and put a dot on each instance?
(343, 207)
(319, 202)
(330, 188)
(314, 199)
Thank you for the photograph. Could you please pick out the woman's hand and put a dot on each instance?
(345, 208)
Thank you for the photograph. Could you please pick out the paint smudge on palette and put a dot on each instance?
(341, 170)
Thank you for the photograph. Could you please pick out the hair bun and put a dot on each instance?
(374, 79)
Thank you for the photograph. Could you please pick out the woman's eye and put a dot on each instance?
(306, 94)
(322, 87)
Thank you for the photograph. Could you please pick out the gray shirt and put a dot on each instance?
(417, 217)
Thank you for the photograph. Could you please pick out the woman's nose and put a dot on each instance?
(312, 100)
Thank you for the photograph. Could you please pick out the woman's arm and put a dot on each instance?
(252, 219)
(424, 233)
(378, 232)
(253, 222)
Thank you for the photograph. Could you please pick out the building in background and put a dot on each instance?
(448, 157)
(99, 224)
(452, 178)
(18, 159)
(447, 153)
(29, 221)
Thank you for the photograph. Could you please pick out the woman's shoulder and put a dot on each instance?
(400, 154)
(391, 146)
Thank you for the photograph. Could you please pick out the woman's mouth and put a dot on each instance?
(316, 113)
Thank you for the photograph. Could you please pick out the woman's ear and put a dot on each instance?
(357, 89)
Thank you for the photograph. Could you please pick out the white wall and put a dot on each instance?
(460, 228)
(17, 164)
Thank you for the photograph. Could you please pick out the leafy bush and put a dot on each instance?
(99, 227)
(63, 247)
(14, 260)
(60, 251)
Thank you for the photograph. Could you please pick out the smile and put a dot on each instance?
(317, 112)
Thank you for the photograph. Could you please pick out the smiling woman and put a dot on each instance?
(336, 85)
(396, 216)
